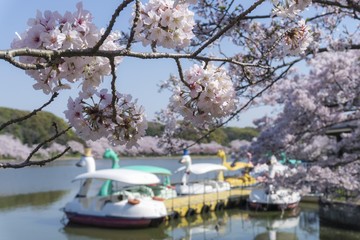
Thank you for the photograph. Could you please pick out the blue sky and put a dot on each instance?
(136, 77)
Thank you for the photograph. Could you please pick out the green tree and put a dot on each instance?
(247, 133)
(36, 129)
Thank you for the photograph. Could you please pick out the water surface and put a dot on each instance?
(31, 199)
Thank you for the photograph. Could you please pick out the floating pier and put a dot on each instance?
(188, 205)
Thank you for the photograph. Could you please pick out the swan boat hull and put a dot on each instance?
(115, 213)
(131, 204)
(113, 222)
(281, 199)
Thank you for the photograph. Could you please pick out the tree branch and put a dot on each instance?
(28, 161)
(227, 27)
(20, 119)
(117, 12)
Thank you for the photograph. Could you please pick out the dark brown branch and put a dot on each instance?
(181, 75)
(34, 163)
(352, 4)
(28, 161)
(34, 112)
(135, 23)
(227, 27)
(113, 88)
(111, 24)
(117, 53)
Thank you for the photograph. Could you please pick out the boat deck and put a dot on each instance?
(188, 205)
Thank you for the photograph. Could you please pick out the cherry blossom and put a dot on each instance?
(54, 31)
(94, 117)
(164, 25)
(298, 39)
(289, 8)
(313, 104)
(206, 95)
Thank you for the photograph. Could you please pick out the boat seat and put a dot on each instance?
(140, 191)
(212, 183)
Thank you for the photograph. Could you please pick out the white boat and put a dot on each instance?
(131, 204)
(206, 186)
(269, 198)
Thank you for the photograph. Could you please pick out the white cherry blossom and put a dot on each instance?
(93, 117)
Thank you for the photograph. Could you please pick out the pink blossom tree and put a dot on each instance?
(319, 121)
(227, 53)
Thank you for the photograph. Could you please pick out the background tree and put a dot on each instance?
(319, 121)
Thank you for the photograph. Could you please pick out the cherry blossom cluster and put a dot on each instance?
(297, 39)
(53, 31)
(206, 95)
(92, 119)
(164, 25)
(289, 8)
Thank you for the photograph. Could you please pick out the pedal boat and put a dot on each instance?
(244, 179)
(201, 187)
(130, 205)
(269, 199)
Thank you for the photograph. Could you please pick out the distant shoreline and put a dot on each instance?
(125, 158)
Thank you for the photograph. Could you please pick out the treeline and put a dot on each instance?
(36, 129)
(42, 127)
(222, 135)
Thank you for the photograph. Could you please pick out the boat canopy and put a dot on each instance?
(150, 169)
(127, 176)
(201, 168)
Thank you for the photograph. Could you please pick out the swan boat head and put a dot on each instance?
(87, 160)
(111, 154)
(186, 160)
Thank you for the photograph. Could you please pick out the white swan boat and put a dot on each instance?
(206, 186)
(130, 205)
(273, 199)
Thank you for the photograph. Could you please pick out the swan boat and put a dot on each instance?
(202, 187)
(245, 180)
(270, 197)
(273, 199)
(130, 205)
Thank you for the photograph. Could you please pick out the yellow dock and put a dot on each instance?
(189, 205)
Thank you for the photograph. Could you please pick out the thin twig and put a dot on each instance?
(227, 27)
(113, 88)
(181, 75)
(134, 25)
(34, 112)
(28, 161)
(111, 24)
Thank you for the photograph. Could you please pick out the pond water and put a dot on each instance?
(31, 199)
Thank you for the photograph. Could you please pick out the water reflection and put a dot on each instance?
(228, 224)
(213, 225)
(50, 188)
(35, 200)
(278, 226)
(75, 232)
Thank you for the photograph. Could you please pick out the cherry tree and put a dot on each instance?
(227, 53)
(318, 122)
